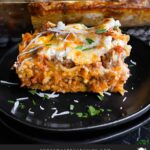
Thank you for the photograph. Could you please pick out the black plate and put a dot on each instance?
(33, 135)
(136, 104)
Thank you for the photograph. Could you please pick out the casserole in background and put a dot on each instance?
(128, 12)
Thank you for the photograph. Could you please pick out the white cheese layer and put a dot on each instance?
(111, 23)
(78, 56)
(80, 44)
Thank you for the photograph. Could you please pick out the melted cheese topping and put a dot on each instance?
(78, 43)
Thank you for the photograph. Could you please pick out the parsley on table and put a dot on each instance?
(99, 31)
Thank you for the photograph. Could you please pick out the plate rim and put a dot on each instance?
(96, 140)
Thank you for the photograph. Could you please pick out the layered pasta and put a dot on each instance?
(74, 58)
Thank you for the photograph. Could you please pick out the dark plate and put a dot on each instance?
(136, 104)
(26, 134)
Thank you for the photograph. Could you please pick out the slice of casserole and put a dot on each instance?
(74, 58)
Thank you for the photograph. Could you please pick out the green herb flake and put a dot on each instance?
(86, 49)
(99, 31)
(89, 41)
(109, 110)
(93, 111)
(11, 101)
(79, 47)
(82, 115)
(71, 107)
(33, 102)
(22, 106)
(85, 115)
(102, 110)
(46, 96)
(143, 142)
(71, 113)
(79, 114)
(100, 97)
(83, 48)
(130, 66)
(33, 92)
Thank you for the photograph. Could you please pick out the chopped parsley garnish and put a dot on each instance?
(71, 107)
(79, 47)
(11, 101)
(93, 111)
(71, 113)
(33, 102)
(99, 31)
(130, 66)
(33, 92)
(85, 115)
(89, 41)
(109, 110)
(22, 106)
(82, 115)
(100, 97)
(79, 114)
(46, 96)
(86, 49)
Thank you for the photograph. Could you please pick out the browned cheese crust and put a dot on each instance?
(128, 12)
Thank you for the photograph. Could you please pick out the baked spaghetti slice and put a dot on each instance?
(74, 58)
